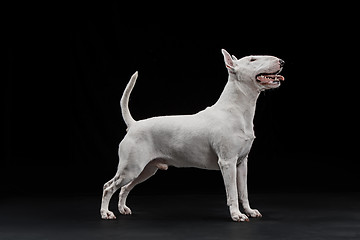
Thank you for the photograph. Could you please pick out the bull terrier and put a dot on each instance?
(217, 138)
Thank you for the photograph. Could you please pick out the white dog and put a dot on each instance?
(217, 138)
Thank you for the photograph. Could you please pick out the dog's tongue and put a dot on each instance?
(270, 78)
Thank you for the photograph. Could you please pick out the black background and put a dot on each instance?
(66, 74)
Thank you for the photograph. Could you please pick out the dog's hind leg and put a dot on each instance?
(121, 178)
(131, 164)
(107, 193)
(148, 171)
(109, 188)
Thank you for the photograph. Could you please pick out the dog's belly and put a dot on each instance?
(191, 154)
(186, 160)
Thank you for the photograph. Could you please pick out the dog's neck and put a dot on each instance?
(239, 99)
(238, 95)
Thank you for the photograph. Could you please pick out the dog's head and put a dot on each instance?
(259, 71)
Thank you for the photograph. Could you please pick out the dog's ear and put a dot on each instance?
(229, 62)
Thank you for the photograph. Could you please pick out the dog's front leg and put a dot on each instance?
(242, 189)
(228, 170)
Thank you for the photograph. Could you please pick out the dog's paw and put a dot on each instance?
(253, 213)
(125, 210)
(239, 217)
(106, 214)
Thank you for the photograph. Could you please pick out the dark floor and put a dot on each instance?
(285, 216)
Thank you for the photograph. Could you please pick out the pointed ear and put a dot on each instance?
(229, 62)
(234, 58)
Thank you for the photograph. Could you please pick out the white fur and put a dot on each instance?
(218, 138)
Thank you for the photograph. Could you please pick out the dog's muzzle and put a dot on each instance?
(271, 78)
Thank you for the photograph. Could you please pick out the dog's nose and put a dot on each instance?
(282, 62)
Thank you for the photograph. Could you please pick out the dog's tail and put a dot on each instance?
(124, 102)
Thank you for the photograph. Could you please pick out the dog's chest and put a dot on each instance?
(243, 138)
(230, 144)
(241, 124)
(244, 149)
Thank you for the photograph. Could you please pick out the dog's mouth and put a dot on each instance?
(269, 78)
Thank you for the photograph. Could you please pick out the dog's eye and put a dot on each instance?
(252, 59)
